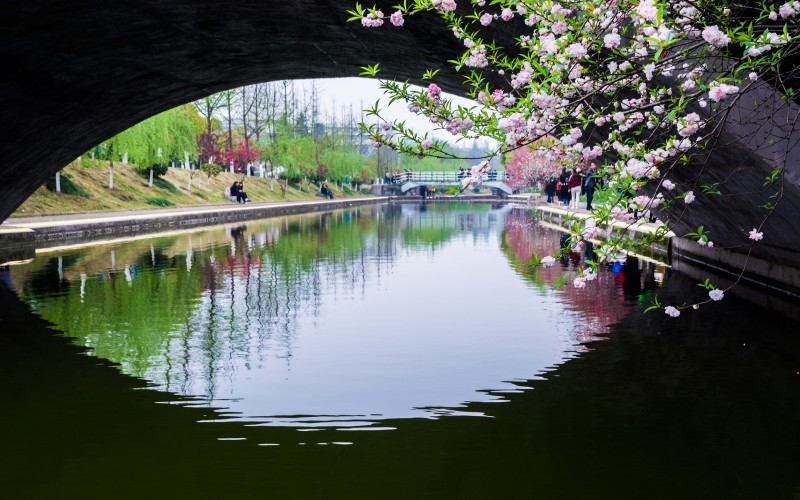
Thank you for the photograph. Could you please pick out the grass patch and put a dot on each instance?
(67, 186)
(158, 201)
(165, 184)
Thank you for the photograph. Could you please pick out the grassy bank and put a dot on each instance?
(85, 189)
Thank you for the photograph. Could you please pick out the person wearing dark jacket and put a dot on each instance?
(563, 191)
(550, 189)
(589, 183)
(241, 196)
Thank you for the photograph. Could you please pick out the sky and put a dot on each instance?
(362, 93)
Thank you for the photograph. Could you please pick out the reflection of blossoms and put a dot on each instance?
(716, 294)
(672, 311)
(548, 261)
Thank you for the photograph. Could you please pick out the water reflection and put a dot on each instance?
(442, 325)
(345, 318)
(620, 284)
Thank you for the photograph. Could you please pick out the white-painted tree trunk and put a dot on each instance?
(58, 182)
(111, 176)
(151, 178)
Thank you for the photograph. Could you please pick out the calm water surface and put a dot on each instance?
(396, 351)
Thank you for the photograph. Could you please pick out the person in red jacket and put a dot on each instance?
(574, 185)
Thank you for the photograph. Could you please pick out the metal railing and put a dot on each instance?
(444, 177)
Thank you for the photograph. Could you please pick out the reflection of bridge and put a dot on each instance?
(409, 181)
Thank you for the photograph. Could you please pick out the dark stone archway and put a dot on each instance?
(76, 73)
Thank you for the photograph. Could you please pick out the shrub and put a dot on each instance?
(165, 184)
(158, 171)
(158, 201)
(67, 186)
(211, 170)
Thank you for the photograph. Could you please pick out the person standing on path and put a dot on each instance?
(574, 185)
(563, 190)
(550, 188)
(589, 183)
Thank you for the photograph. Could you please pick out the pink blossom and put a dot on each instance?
(507, 14)
(577, 50)
(426, 144)
(753, 76)
(434, 92)
(579, 283)
(521, 78)
(715, 37)
(755, 235)
(773, 16)
(786, 10)
(458, 125)
(446, 5)
(647, 10)
(547, 261)
(668, 185)
(689, 197)
(672, 311)
(486, 19)
(689, 125)
(721, 91)
(477, 59)
(373, 19)
(612, 40)
(716, 294)
(559, 27)
(397, 19)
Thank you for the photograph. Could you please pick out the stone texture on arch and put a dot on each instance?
(76, 73)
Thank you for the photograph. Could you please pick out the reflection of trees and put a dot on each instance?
(631, 281)
(188, 310)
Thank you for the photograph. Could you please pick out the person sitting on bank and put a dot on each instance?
(241, 196)
(326, 191)
(233, 191)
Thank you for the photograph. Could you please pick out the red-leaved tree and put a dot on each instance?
(209, 148)
(242, 153)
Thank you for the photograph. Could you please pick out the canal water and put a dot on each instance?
(389, 351)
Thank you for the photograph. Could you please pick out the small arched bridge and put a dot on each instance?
(413, 180)
(409, 182)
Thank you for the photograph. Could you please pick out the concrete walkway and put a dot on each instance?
(557, 212)
(17, 232)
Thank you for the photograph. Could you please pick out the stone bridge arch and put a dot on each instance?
(76, 73)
